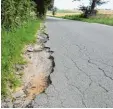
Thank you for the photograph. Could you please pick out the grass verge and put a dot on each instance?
(12, 44)
(102, 19)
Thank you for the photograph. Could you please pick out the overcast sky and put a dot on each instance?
(68, 4)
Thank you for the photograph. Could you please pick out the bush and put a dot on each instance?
(18, 28)
(15, 12)
(12, 44)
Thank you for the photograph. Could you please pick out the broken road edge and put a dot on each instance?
(23, 97)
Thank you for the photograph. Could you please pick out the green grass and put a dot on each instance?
(102, 19)
(13, 43)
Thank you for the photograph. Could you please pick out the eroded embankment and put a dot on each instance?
(36, 76)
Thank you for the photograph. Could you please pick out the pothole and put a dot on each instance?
(38, 72)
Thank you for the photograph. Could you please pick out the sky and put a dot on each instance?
(68, 4)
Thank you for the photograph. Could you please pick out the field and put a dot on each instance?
(108, 12)
(103, 16)
(62, 13)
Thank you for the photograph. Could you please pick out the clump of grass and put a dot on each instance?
(12, 44)
(103, 19)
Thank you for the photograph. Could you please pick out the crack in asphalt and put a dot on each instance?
(81, 69)
(103, 63)
(47, 98)
(82, 93)
(103, 87)
(105, 73)
(89, 61)
(61, 102)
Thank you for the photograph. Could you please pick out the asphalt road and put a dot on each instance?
(83, 75)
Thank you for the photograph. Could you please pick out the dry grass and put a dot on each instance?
(109, 12)
(62, 14)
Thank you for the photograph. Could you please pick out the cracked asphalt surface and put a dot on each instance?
(83, 75)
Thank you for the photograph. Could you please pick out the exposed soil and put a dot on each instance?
(36, 76)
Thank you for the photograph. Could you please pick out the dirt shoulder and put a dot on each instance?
(36, 73)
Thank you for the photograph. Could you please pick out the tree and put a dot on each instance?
(90, 10)
(94, 3)
(51, 5)
(42, 6)
(54, 11)
(15, 12)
